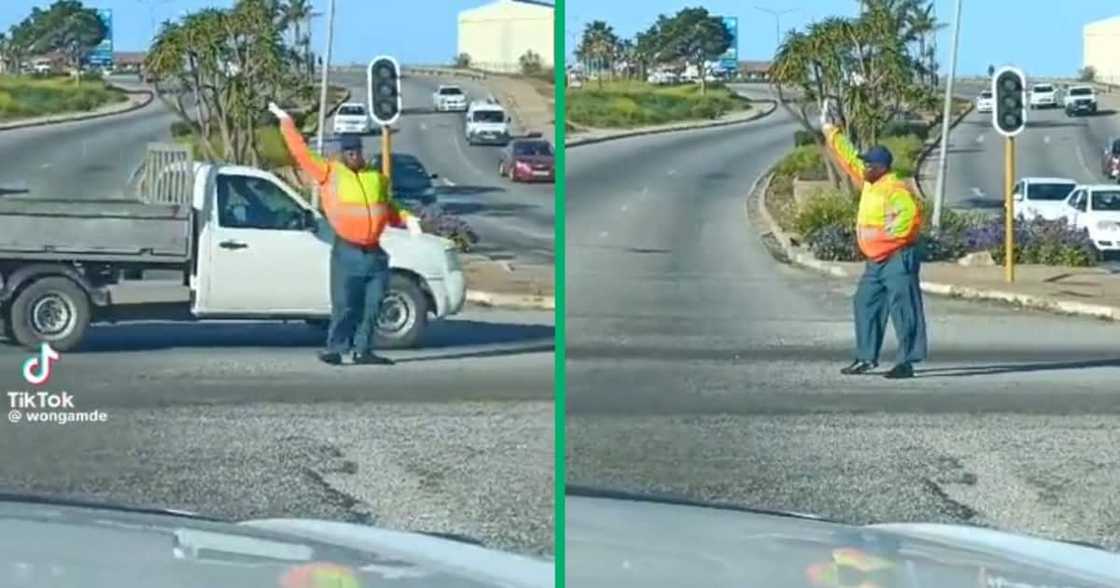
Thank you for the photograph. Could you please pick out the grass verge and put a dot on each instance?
(28, 98)
(628, 104)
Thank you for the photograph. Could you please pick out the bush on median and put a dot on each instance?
(632, 104)
(26, 98)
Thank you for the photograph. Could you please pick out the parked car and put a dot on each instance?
(1042, 197)
(528, 160)
(352, 118)
(1110, 160)
(1096, 208)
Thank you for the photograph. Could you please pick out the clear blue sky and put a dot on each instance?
(418, 31)
(1049, 32)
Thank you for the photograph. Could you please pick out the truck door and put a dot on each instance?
(258, 253)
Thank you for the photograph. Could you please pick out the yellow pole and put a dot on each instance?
(386, 154)
(1009, 228)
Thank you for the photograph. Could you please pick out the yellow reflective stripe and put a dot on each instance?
(360, 211)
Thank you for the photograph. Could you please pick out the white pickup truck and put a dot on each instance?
(242, 243)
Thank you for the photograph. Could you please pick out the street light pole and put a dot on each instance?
(777, 14)
(940, 197)
(326, 70)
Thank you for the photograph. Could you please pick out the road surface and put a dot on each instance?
(239, 420)
(514, 221)
(698, 365)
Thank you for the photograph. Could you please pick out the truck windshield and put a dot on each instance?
(1107, 200)
(489, 116)
(1044, 89)
(352, 111)
(450, 92)
(1081, 92)
(1049, 192)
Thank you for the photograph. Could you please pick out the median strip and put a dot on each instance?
(138, 98)
(600, 135)
(1045, 288)
(503, 284)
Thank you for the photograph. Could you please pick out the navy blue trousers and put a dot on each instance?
(890, 289)
(359, 278)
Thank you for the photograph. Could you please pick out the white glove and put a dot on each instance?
(413, 224)
(277, 111)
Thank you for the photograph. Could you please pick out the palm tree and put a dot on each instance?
(599, 44)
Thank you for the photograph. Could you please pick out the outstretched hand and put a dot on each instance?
(277, 111)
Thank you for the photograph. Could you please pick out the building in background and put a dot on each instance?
(1101, 44)
(495, 36)
(754, 70)
(128, 61)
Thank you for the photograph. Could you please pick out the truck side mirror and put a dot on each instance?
(1017, 196)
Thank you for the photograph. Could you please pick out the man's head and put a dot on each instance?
(350, 152)
(877, 162)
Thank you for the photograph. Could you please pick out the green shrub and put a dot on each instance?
(826, 208)
(803, 161)
(905, 151)
(181, 129)
(803, 137)
(902, 128)
(626, 103)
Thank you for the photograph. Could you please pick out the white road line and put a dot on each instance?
(977, 192)
(672, 172)
(603, 235)
(624, 207)
(980, 139)
(1046, 139)
(1081, 159)
(448, 182)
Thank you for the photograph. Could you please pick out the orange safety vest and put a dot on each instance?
(890, 216)
(357, 204)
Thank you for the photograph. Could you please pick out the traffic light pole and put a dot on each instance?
(386, 153)
(1009, 216)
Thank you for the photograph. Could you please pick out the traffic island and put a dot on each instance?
(1081, 291)
(134, 100)
(582, 135)
(504, 284)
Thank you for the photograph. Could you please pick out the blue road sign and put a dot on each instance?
(730, 59)
(102, 55)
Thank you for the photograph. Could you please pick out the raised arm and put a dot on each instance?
(844, 153)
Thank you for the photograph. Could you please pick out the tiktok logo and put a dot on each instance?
(37, 369)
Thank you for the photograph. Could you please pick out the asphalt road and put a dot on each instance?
(513, 221)
(1052, 145)
(239, 420)
(82, 159)
(698, 365)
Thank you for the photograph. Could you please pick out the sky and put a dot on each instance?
(1046, 39)
(416, 31)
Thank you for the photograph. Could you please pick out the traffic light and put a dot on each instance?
(383, 88)
(1009, 89)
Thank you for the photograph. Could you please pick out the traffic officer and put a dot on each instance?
(358, 206)
(887, 228)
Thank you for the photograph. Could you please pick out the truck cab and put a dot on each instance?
(1042, 197)
(1080, 99)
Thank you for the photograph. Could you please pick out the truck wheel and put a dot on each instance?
(404, 314)
(53, 310)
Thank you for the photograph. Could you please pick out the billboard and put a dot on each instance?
(102, 55)
(729, 61)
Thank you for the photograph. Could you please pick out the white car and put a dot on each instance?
(984, 101)
(351, 118)
(1042, 197)
(1044, 96)
(487, 123)
(449, 98)
(1097, 208)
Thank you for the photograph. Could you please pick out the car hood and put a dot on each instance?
(66, 546)
(612, 542)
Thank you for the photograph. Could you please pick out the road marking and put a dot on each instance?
(603, 235)
(1081, 159)
(672, 172)
(1046, 139)
(624, 207)
(977, 192)
(45, 166)
(423, 126)
(980, 139)
(447, 182)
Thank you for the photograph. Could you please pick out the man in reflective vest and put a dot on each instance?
(358, 206)
(887, 227)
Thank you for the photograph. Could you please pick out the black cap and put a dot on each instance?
(350, 143)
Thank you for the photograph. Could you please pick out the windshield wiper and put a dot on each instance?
(90, 504)
(588, 492)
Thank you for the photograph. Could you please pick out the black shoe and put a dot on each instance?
(330, 358)
(859, 367)
(371, 359)
(900, 371)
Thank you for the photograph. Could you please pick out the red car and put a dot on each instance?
(528, 160)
